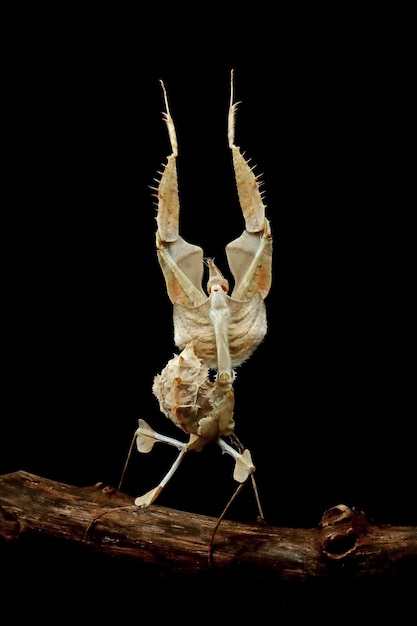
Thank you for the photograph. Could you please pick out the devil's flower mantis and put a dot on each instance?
(214, 332)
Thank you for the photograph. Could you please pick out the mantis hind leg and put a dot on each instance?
(261, 518)
(241, 449)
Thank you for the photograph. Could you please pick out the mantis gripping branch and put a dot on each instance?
(214, 332)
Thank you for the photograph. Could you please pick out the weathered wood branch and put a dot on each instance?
(105, 520)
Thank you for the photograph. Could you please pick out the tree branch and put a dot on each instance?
(105, 520)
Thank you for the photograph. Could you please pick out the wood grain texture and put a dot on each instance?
(103, 520)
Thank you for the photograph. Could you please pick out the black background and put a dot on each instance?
(326, 404)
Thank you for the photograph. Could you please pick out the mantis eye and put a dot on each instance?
(222, 283)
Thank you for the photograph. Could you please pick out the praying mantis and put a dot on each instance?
(214, 332)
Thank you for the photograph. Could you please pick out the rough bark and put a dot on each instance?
(104, 520)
